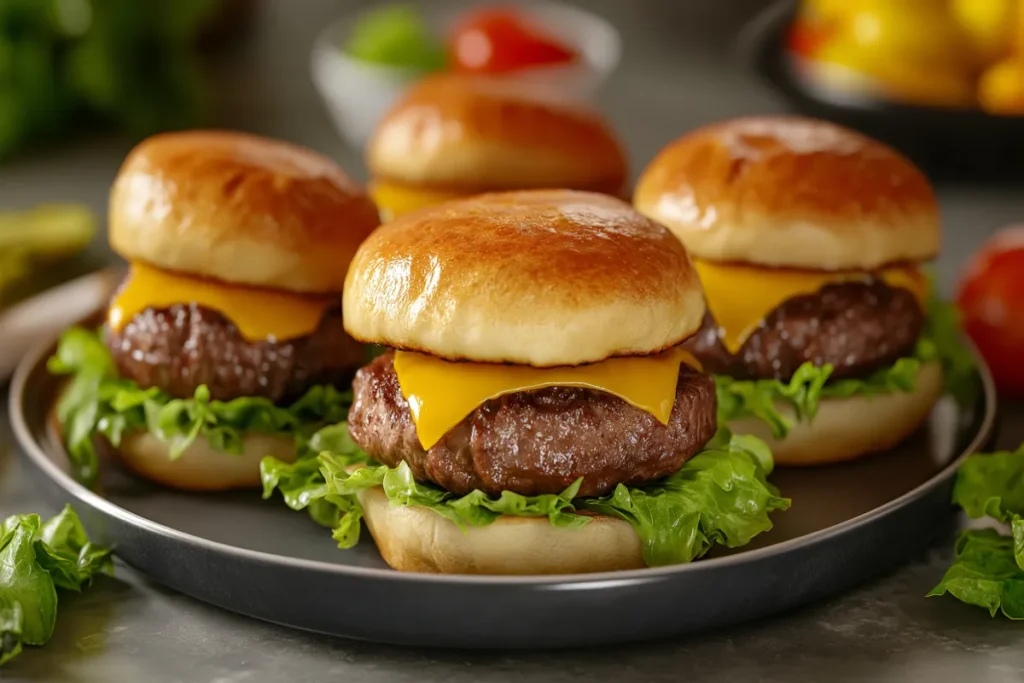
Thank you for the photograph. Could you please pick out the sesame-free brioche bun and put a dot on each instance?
(240, 209)
(201, 467)
(848, 428)
(415, 539)
(791, 192)
(465, 133)
(542, 278)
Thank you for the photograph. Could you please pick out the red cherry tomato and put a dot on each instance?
(497, 40)
(991, 302)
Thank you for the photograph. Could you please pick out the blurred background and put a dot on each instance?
(81, 81)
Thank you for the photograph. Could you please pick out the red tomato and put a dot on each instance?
(991, 302)
(805, 38)
(497, 40)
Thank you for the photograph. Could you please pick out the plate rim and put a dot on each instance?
(34, 361)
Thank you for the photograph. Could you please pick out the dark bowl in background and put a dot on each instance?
(948, 143)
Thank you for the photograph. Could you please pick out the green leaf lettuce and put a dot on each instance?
(985, 574)
(720, 496)
(97, 401)
(36, 559)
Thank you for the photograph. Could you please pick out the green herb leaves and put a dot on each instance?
(98, 402)
(36, 559)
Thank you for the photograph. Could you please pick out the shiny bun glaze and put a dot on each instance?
(240, 209)
(791, 192)
(542, 278)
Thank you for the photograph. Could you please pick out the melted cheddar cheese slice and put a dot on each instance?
(394, 200)
(442, 393)
(259, 314)
(740, 297)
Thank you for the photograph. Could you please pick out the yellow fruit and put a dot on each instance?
(1001, 88)
(914, 32)
(828, 10)
(989, 23)
(840, 10)
(899, 80)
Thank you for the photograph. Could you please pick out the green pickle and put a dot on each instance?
(41, 235)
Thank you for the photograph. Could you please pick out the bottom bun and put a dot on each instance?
(416, 539)
(847, 428)
(200, 467)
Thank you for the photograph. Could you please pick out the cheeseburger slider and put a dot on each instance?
(225, 340)
(453, 135)
(536, 413)
(808, 239)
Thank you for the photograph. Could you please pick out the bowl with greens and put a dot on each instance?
(361, 64)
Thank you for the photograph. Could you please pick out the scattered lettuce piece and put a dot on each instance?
(985, 574)
(989, 566)
(98, 402)
(991, 485)
(941, 341)
(36, 559)
(719, 496)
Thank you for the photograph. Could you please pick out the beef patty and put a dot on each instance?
(186, 345)
(857, 327)
(535, 442)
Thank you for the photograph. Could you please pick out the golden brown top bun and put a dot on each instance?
(240, 209)
(464, 133)
(541, 277)
(791, 192)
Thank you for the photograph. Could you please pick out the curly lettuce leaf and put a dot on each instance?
(345, 480)
(986, 574)
(720, 496)
(941, 341)
(944, 332)
(991, 485)
(301, 483)
(98, 402)
(762, 398)
(36, 559)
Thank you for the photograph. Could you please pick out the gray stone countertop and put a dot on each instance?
(678, 72)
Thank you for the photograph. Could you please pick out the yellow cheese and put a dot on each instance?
(259, 314)
(442, 393)
(393, 200)
(740, 297)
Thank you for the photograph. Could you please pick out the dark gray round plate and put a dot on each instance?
(848, 523)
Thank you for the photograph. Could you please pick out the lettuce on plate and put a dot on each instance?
(941, 342)
(720, 496)
(988, 570)
(36, 559)
(97, 401)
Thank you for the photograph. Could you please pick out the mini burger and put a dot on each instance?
(535, 413)
(808, 239)
(225, 340)
(452, 136)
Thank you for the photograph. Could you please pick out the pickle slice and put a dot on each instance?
(47, 232)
